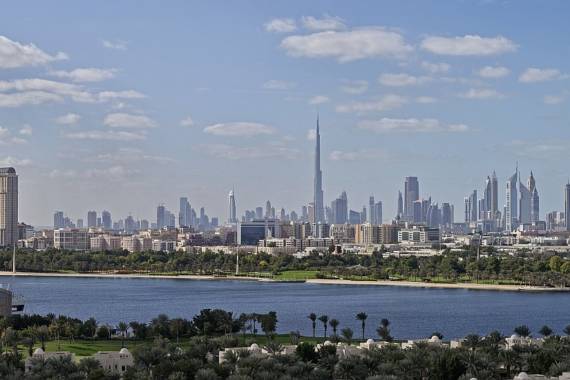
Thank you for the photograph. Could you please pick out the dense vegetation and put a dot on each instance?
(527, 268)
(188, 349)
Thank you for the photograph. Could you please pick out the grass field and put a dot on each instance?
(296, 275)
(82, 348)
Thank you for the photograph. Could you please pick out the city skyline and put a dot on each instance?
(126, 117)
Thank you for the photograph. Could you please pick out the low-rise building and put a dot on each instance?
(115, 362)
(40, 354)
(71, 239)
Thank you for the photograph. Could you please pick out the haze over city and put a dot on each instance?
(197, 99)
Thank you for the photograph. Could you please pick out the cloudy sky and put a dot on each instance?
(124, 105)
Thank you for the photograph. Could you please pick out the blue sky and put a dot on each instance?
(124, 105)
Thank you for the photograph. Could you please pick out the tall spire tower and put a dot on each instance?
(319, 214)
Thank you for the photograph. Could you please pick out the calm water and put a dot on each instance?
(413, 312)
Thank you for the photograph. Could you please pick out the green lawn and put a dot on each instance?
(296, 275)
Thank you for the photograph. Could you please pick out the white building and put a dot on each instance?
(115, 362)
(40, 354)
(71, 239)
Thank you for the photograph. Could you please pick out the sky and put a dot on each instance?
(122, 105)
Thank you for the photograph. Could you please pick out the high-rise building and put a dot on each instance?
(184, 213)
(377, 212)
(106, 220)
(79, 223)
(494, 203)
(524, 204)
(92, 219)
(319, 212)
(446, 214)
(534, 200)
(58, 220)
(160, 217)
(371, 214)
(232, 214)
(567, 205)
(471, 214)
(259, 212)
(8, 207)
(411, 194)
(400, 213)
(268, 209)
(339, 208)
(511, 206)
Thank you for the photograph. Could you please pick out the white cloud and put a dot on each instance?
(468, 45)
(187, 122)
(545, 149)
(482, 93)
(533, 75)
(14, 54)
(425, 100)
(232, 152)
(436, 68)
(85, 74)
(281, 25)
(112, 95)
(386, 103)
(113, 173)
(493, 72)
(553, 99)
(275, 84)
(106, 135)
(401, 80)
(354, 87)
(68, 119)
(130, 155)
(127, 120)
(348, 46)
(387, 125)
(319, 99)
(312, 134)
(12, 161)
(26, 130)
(28, 98)
(115, 45)
(239, 129)
(325, 23)
(362, 154)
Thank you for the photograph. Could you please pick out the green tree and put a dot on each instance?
(362, 316)
(545, 330)
(123, 327)
(347, 334)
(334, 324)
(313, 318)
(522, 330)
(554, 263)
(383, 330)
(324, 319)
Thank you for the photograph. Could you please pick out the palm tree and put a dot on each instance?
(545, 331)
(522, 330)
(347, 334)
(362, 316)
(324, 319)
(334, 324)
(123, 327)
(313, 318)
(384, 331)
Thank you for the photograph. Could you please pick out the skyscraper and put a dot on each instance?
(471, 207)
(319, 211)
(534, 200)
(58, 220)
(371, 214)
(525, 203)
(92, 219)
(106, 220)
(339, 209)
(8, 207)
(494, 203)
(511, 206)
(400, 206)
(411, 194)
(161, 217)
(184, 213)
(377, 212)
(232, 215)
(567, 205)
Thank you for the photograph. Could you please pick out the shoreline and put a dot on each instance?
(409, 284)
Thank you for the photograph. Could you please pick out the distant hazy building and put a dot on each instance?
(106, 220)
(511, 205)
(232, 214)
(471, 214)
(534, 200)
(92, 219)
(567, 205)
(339, 209)
(8, 207)
(184, 213)
(160, 216)
(411, 195)
(400, 212)
(319, 212)
(250, 233)
(58, 220)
